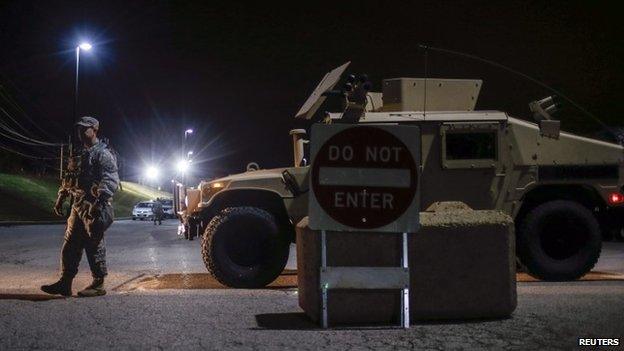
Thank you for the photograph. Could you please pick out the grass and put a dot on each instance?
(24, 197)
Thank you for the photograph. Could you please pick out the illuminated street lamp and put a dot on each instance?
(151, 173)
(85, 46)
(182, 166)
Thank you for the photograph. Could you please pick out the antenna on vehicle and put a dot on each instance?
(525, 76)
(425, 82)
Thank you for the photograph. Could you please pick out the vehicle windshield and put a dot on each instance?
(145, 205)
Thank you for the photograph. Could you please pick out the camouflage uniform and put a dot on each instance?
(92, 212)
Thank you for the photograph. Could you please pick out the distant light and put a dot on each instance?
(182, 166)
(151, 173)
(85, 46)
(188, 131)
(189, 153)
(616, 198)
(217, 185)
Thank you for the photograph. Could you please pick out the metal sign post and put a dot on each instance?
(365, 278)
(405, 298)
(365, 178)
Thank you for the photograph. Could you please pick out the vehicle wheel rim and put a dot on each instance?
(248, 247)
(563, 236)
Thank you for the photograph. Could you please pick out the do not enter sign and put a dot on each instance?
(364, 177)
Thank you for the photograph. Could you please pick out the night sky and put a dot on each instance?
(237, 74)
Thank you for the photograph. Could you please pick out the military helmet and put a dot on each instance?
(88, 121)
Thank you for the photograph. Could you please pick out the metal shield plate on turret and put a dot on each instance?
(315, 100)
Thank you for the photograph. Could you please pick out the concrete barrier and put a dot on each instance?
(462, 266)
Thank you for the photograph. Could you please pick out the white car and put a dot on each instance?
(168, 208)
(143, 210)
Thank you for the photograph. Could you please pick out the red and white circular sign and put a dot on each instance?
(364, 177)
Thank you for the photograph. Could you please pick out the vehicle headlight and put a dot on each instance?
(208, 190)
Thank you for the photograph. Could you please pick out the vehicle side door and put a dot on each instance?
(463, 163)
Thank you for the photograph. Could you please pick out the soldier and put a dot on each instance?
(158, 211)
(96, 180)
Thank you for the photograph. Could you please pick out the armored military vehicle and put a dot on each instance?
(563, 190)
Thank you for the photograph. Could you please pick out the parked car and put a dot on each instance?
(143, 210)
(168, 208)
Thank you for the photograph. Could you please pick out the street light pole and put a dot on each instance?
(76, 85)
(186, 155)
(83, 46)
(186, 134)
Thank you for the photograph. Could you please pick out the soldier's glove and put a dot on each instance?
(99, 217)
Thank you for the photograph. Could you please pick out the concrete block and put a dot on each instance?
(462, 266)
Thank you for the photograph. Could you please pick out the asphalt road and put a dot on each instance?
(548, 316)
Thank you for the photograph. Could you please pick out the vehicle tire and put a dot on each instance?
(134, 218)
(559, 241)
(141, 218)
(243, 247)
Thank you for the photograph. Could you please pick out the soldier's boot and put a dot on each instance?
(96, 288)
(61, 287)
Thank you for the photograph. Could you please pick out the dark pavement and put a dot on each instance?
(549, 315)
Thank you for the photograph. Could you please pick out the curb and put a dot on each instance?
(14, 223)
(56, 221)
